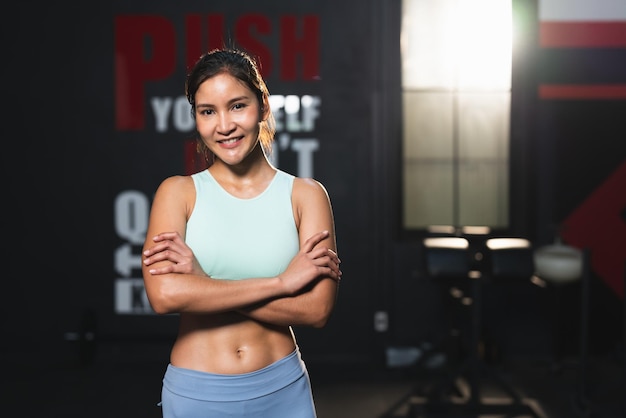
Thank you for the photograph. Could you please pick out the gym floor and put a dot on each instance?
(119, 385)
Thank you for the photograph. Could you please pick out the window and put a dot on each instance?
(456, 99)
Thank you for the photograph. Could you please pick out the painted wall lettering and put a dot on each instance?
(147, 49)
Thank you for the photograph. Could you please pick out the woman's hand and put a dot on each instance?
(170, 246)
(311, 263)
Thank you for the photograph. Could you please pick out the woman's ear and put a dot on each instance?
(265, 110)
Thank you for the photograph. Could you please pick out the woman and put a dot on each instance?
(242, 251)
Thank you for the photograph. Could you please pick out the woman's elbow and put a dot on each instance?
(319, 324)
(160, 300)
(320, 317)
(160, 308)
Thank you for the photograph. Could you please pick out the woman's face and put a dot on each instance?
(227, 117)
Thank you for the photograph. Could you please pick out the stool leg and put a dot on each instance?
(474, 372)
(582, 401)
(624, 343)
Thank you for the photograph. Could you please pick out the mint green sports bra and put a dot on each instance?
(235, 238)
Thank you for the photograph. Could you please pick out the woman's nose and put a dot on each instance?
(225, 124)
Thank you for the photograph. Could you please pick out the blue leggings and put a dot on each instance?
(279, 390)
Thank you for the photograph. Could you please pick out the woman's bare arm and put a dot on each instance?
(314, 304)
(170, 290)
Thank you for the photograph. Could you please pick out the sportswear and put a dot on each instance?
(234, 238)
(280, 390)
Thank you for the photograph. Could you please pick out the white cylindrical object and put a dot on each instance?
(558, 263)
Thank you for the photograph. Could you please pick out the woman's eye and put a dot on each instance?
(239, 106)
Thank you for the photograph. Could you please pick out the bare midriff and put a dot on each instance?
(229, 343)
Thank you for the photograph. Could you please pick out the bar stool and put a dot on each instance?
(446, 261)
(486, 259)
(449, 256)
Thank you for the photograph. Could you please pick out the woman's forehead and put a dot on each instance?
(223, 86)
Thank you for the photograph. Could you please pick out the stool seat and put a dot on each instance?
(559, 263)
(510, 258)
(446, 257)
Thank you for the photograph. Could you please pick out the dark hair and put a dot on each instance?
(242, 66)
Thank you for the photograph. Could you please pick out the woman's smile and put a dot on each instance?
(230, 142)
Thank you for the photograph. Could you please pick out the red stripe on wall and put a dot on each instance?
(582, 34)
(582, 91)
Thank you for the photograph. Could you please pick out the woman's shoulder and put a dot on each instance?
(308, 184)
(307, 188)
(175, 194)
(177, 180)
(312, 205)
(177, 184)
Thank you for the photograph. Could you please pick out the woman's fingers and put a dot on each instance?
(163, 270)
(315, 239)
(162, 255)
(327, 261)
(169, 246)
(172, 236)
(320, 253)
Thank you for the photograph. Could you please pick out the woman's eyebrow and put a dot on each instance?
(231, 101)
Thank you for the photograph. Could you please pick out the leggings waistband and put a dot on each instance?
(234, 387)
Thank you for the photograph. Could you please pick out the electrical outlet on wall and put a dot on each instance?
(381, 321)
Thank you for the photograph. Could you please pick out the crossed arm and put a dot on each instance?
(311, 304)
(304, 294)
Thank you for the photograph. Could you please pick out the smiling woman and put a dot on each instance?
(249, 94)
(227, 117)
(242, 251)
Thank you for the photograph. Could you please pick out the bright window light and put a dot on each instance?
(457, 44)
(456, 93)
